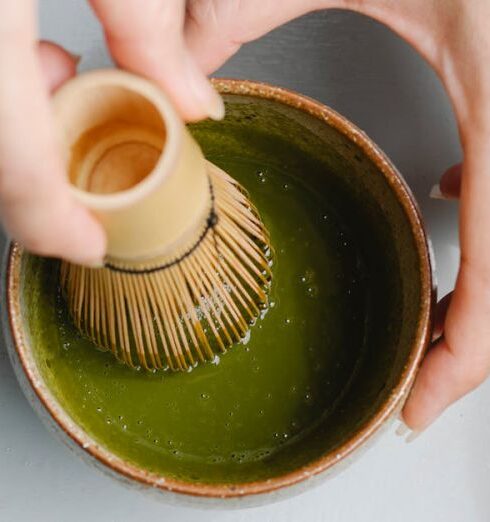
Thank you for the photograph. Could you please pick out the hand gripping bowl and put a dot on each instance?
(330, 365)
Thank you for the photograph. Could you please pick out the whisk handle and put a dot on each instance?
(132, 162)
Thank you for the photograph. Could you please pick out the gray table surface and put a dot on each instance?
(364, 71)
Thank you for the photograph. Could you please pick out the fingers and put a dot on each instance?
(57, 64)
(443, 379)
(210, 31)
(460, 360)
(149, 41)
(215, 29)
(424, 404)
(35, 201)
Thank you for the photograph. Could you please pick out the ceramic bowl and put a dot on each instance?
(380, 204)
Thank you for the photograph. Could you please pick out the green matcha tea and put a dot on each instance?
(273, 401)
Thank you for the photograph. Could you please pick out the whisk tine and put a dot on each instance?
(242, 250)
(205, 303)
(180, 336)
(136, 318)
(225, 292)
(186, 312)
(234, 263)
(109, 328)
(238, 292)
(140, 288)
(247, 245)
(214, 300)
(79, 290)
(170, 330)
(97, 314)
(102, 330)
(121, 320)
(154, 304)
(249, 227)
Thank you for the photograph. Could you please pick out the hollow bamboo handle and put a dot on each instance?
(101, 111)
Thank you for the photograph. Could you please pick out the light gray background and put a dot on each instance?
(361, 69)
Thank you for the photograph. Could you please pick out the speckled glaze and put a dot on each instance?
(259, 492)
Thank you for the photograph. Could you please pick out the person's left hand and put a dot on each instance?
(453, 37)
(176, 43)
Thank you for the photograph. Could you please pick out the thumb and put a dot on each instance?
(149, 41)
(36, 204)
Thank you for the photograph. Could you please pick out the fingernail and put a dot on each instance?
(211, 102)
(76, 58)
(412, 436)
(436, 193)
(402, 429)
(216, 108)
(98, 264)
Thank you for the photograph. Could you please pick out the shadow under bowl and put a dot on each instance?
(374, 317)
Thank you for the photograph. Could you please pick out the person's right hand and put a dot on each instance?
(151, 38)
(36, 206)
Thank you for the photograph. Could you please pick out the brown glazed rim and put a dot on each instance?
(387, 410)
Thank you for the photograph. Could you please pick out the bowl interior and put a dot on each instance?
(349, 297)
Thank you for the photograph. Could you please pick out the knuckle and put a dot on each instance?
(39, 240)
(474, 375)
(136, 24)
(44, 245)
(8, 187)
(356, 5)
(199, 10)
(15, 189)
(36, 245)
(465, 364)
(475, 267)
(39, 232)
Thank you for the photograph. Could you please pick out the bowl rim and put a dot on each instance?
(388, 409)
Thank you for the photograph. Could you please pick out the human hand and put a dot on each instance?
(453, 37)
(164, 41)
(36, 205)
(156, 41)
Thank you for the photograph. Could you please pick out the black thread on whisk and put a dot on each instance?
(211, 222)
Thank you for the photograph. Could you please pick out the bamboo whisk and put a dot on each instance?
(188, 260)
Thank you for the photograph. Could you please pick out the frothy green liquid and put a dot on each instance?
(230, 420)
(323, 358)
